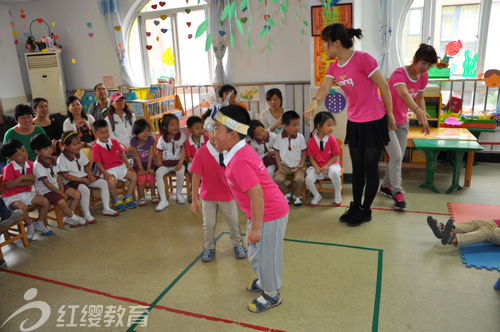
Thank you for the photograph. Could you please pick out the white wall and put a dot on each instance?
(11, 84)
(94, 57)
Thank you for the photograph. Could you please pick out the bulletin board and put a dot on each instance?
(341, 13)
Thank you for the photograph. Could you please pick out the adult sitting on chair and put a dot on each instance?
(99, 109)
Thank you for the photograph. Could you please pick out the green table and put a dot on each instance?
(432, 147)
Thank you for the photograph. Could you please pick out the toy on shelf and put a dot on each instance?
(44, 44)
(454, 105)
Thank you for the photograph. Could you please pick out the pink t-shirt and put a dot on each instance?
(109, 159)
(10, 173)
(497, 221)
(330, 149)
(400, 77)
(364, 101)
(213, 180)
(192, 147)
(246, 170)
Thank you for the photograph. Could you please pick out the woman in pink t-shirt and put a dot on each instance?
(407, 86)
(369, 114)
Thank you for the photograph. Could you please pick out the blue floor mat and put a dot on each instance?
(482, 255)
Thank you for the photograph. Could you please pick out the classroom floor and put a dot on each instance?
(390, 274)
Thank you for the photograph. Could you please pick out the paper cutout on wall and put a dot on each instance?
(14, 33)
(72, 51)
(23, 15)
(154, 6)
(162, 3)
(187, 10)
(39, 20)
(491, 78)
(24, 24)
(163, 30)
(26, 35)
(469, 65)
(12, 23)
(73, 61)
(168, 57)
(157, 38)
(453, 47)
(148, 34)
(91, 34)
(335, 102)
(89, 24)
(16, 42)
(108, 80)
(249, 93)
(149, 47)
(53, 24)
(163, 17)
(156, 22)
(188, 24)
(117, 27)
(190, 36)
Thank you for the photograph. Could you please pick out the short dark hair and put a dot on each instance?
(427, 53)
(139, 126)
(192, 120)
(288, 117)
(40, 141)
(253, 125)
(206, 114)
(22, 110)
(95, 86)
(68, 137)
(237, 113)
(101, 123)
(36, 101)
(10, 147)
(274, 92)
(322, 117)
(340, 32)
(227, 88)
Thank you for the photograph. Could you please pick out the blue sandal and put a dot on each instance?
(271, 301)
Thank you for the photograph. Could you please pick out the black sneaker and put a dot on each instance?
(362, 215)
(399, 201)
(2, 262)
(349, 213)
(385, 191)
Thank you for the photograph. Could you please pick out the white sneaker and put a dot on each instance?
(180, 199)
(110, 212)
(78, 219)
(40, 226)
(161, 206)
(88, 220)
(289, 197)
(70, 221)
(316, 200)
(30, 231)
(297, 201)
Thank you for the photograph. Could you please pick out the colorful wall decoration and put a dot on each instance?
(320, 18)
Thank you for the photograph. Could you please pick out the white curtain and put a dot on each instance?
(386, 10)
(109, 9)
(220, 38)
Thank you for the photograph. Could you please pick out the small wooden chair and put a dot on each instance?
(95, 196)
(320, 183)
(170, 183)
(12, 233)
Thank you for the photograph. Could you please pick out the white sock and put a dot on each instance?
(84, 199)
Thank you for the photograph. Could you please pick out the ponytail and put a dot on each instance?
(340, 32)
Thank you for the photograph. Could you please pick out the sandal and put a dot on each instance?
(271, 301)
(437, 228)
(142, 202)
(448, 233)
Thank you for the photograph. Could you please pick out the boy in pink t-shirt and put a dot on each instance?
(109, 157)
(215, 195)
(407, 85)
(251, 186)
(465, 233)
(18, 180)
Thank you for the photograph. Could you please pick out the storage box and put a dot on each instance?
(418, 156)
(436, 72)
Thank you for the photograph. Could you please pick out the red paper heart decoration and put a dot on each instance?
(162, 3)
(12, 23)
(190, 36)
(39, 20)
(23, 15)
(55, 37)
(148, 34)
(16, 42)
(149, 47)
(188, 24)
(154, 6)
(91, 34)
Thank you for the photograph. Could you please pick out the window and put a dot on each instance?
(492, 55)
(438, 22)
(162, 43)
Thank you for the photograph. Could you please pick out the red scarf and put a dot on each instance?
(169, 140)
(50, 164)
(75, 158)
(284, 135)
(265, 140)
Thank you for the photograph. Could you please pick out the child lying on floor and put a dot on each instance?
(462, 234)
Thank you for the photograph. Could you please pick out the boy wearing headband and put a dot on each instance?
(215, 194)
(251, 186)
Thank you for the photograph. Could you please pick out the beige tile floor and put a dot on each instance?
(329, 282)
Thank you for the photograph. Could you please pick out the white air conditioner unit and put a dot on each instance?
(46, 77)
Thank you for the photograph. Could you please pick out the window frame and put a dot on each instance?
(429, 22)
(172, 14)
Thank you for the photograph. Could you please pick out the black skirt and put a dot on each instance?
(367, 134)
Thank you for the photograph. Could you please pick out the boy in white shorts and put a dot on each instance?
(109, 157)
(18, 180)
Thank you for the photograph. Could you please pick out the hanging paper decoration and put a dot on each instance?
(148, 34)
(154, 6)
(12, 23)
(335, 102)
(149, 47)
(117, 27)
(452, 48)
(190, 36)
(89, 24)
(73, 61)
(162, 3)
(168, 57)
(156, 22)
(163, 17)
(91, 34)
(469, 65)
(187, 10)
(163, 30)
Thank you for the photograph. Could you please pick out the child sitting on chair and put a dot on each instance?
(260, 199)
(465, 233)
(143, 146)
(262, 141)
(290, 148)
(49, 183)
(76, 171)
(109, 157)
(170, 158)
(196, 140)
(215, 195)
(323, 153)
(18, 178)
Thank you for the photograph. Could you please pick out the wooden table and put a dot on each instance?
(461, 134)
(432, 147)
